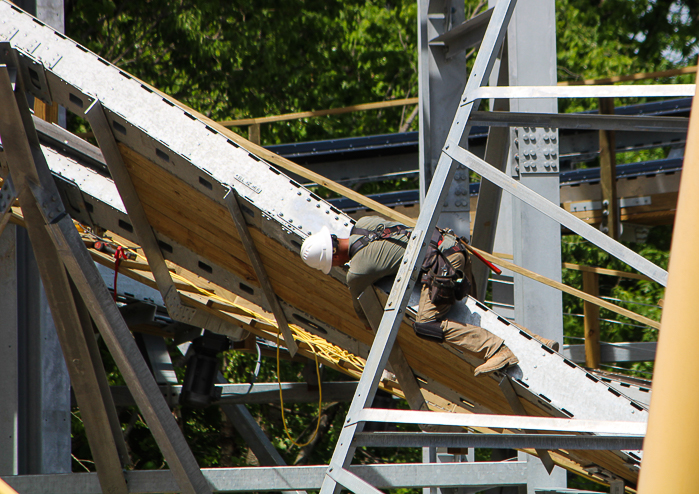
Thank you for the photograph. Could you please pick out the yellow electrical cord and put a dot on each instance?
(317, 344)
(281, 398)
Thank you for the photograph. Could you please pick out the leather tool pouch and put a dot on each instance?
(446, 284)
(429, 330)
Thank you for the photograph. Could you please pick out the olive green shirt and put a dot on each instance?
(377, 259)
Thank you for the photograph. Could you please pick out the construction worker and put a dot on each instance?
(375, 249)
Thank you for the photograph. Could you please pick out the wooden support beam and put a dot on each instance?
(320, 113)
(234, 208)
(51, 229)
(608, 272)
(592, 325)
(610, 199)
(46, 112)
(254, 133)
(632, 77)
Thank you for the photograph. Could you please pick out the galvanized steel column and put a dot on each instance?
(536, 238)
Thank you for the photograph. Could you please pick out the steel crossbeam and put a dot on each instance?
(481, 475)
(501, 421)
(528, 92)
(631, 123)
(406, 277)
(52, 230)
(558, 214)
(505, 441)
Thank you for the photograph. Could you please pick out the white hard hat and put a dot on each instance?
(317, 250)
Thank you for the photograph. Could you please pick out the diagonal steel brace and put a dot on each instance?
(417, 245)
(256, 262)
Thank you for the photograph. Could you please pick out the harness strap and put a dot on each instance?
(369, 236)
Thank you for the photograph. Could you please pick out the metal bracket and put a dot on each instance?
(256, 262)
(518, 408)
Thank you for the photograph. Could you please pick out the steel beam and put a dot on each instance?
(21, 146)
(399, 365)
(407, 274)
(560, 215)
(631, 123)
(501, 421)
(615, 352)
(464, 36)
(518, 408)
(351, 481)
(441, 83)
(402, 475)
(9, 368)
(497, 149)
(247, 394)
(254, 436)
(260, 271)
(634, 91)
(98, 368)
(498, 441)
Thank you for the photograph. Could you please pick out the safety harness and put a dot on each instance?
(380, 233)
(447, 285)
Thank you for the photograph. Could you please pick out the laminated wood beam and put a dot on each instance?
(50, 226)
(254, 256)
(21, 148)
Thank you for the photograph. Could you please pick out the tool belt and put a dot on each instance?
(380, 233)
(446, 284)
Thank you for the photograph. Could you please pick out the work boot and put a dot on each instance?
(552, 344)
(501, 359)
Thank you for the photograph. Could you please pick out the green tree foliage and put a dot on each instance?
(603, 38)
(248, 58)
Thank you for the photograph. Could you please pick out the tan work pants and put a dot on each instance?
(472, 338)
